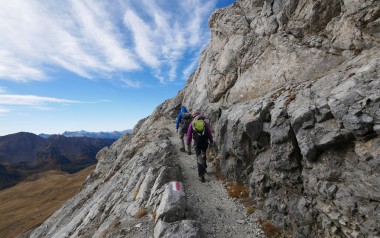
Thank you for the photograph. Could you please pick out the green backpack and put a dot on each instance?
(200, 135)
(199, 125)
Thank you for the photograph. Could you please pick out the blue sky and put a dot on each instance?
(95, 65)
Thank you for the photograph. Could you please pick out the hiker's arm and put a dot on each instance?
(178, 120)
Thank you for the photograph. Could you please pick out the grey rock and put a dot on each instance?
(240, 221)
(183, 229)
(173, 203)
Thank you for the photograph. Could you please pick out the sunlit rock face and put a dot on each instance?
(123, 193)
(292, 91)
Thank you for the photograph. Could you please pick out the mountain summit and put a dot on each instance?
(291, 89)
(106, 135)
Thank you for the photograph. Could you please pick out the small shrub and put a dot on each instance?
(250, 210)
(290, 98)
(270, 230)
(106, 231)
(140, 213)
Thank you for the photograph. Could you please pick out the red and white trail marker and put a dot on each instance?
(176, 186)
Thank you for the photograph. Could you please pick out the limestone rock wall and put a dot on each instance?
(292, 90)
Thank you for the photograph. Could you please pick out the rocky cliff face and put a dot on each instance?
(292, 91)
(122, 196)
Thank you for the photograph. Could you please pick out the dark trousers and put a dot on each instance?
(200, 152)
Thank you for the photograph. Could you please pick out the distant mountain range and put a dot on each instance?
(23, 154)
(109, 135)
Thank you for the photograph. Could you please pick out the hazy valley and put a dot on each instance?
(30, 202)
(23, 154)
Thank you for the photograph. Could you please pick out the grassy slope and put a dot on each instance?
(29, 203)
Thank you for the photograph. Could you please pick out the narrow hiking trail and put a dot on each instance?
(209, 203)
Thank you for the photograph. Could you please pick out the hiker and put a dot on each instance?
(201, 133)
(183, 122)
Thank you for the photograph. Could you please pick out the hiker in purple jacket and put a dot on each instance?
(200, 131)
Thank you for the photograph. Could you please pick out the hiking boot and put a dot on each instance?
(202, 179)
(182, 149)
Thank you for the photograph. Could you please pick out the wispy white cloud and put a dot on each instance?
(13, 68)
(80, 36)
(104, 101)
(189, 69)
(130, 83)
(31, 100)
(145, 45)
(163, 37)
(42, 108)
(4, 111)
(98, 39)
(2, 90)
(196, 23)
(99, 26)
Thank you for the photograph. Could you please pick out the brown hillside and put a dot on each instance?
(29, 203)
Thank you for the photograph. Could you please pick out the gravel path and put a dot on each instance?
(209, 203)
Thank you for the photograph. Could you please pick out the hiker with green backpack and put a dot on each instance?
(183, 122)
(200, 131)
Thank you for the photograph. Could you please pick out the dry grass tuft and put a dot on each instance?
(154, 214)
(136, 192)
(290, 98)
(250, 210)
(270, 230)
(236, 190)
(240, 192)
(140, 213)
(220, 176)
(111, 227)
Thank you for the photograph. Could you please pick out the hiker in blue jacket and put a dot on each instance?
(200, 131)
(183, 122)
